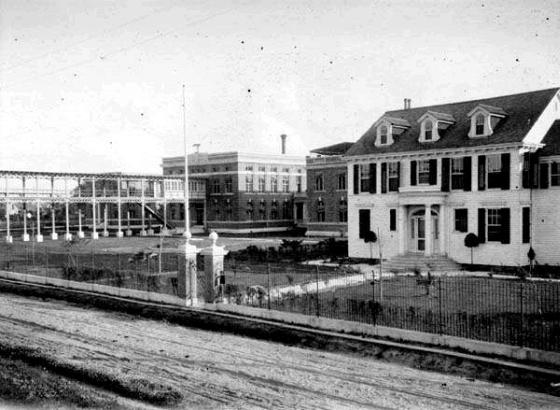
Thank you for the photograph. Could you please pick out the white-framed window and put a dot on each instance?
(494, 164)
(424, 172)
(229, 185)
(554, 174)
(364, 178)
(249, 183)
(342, 181)
(457, 173)
(393, 176)
(428, 130)
(479, 124)
(285, 183)
(261, 183)
(383, 134)
(494, 225)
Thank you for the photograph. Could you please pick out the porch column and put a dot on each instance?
(105, 220)
(120, 233)
(143, 211)
(54, 235)
(401, 228)
(443, 223)
(428, 231)
(39, 237)
(9, 238)
(94, 234)
(25, 236)
(68, 235)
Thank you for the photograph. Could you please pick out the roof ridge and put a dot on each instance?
(479, 100)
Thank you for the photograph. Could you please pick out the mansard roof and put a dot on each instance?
(336, 149)
(523, 110)
(552, 140)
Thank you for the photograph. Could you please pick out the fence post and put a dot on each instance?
(317, 287)
(187, 281)
(213, 269)
(268, 282)
(440, 302)
(522, 318)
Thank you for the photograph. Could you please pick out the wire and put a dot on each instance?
(105, 56)
(91, 37)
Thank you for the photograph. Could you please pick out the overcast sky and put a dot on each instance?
(96, 85)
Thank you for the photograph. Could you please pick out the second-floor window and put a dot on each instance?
(285, 183)
(229, 185)
(319, 182)
(274, 183)
(424, 172)
(494, 171)
(457, 173)
(393, 175)
(342, 181)
(261, 183)
(215, 186)
(249, 183)
(383, 135)
(298, 183)
(364, 178)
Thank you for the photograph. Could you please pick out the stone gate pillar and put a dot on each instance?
(186, 282)
(214, 277)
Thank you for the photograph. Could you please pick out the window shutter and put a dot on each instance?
(413, 173)
(398, 175)
(445, 174)
(481, 225)
(481, 172)
(467, 169)
(505, 225)
(383, 177)
(433, 172)
(505, 170)
(526, 225)
(356, 179)
(372, 178)
(543, 177)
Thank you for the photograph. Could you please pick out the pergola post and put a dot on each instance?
(143, 203)
(9, 238)
(39, 237)
(94, 234)
(119, 209)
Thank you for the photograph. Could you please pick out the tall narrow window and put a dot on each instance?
(364, 222)
(457, 173)
(342, 181)
(428, 130)
(526, 225)
(383, 135)
(261, 183)
(554, 174)
(364, 178)
(479, 124)
(285, 183)
(393, 175)
(424, 172)
(494, 169)
(461, 220)
(229, 185)
(494, 225)
(249, 183)
(392, 219)
(319, 182)
(274, 183)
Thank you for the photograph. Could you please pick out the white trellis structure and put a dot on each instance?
(28, 196)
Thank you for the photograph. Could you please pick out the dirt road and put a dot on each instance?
(223, 371)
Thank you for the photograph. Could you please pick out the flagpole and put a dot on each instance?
(187, 230)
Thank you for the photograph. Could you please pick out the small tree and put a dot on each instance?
(471, 241)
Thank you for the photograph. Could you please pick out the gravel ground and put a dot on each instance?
(214, 370)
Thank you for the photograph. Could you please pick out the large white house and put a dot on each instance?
(422, 178)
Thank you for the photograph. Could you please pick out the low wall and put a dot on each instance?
(92, 287)
(326, 324)
(342, 326)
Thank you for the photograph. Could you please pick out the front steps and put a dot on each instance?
(410, 262)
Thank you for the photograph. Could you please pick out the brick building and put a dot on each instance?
(327, 200)
(245, 192)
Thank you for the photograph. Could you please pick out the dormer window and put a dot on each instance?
(388, 128)
(484, 119)
(383, 135)
(432, 123)
(479, 124)
(428, 130)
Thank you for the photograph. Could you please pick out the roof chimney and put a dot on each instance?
(283, 136)
(407, 103)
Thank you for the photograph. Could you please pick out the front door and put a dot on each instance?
(418, 233)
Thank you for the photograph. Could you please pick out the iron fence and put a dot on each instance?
(509, 311)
